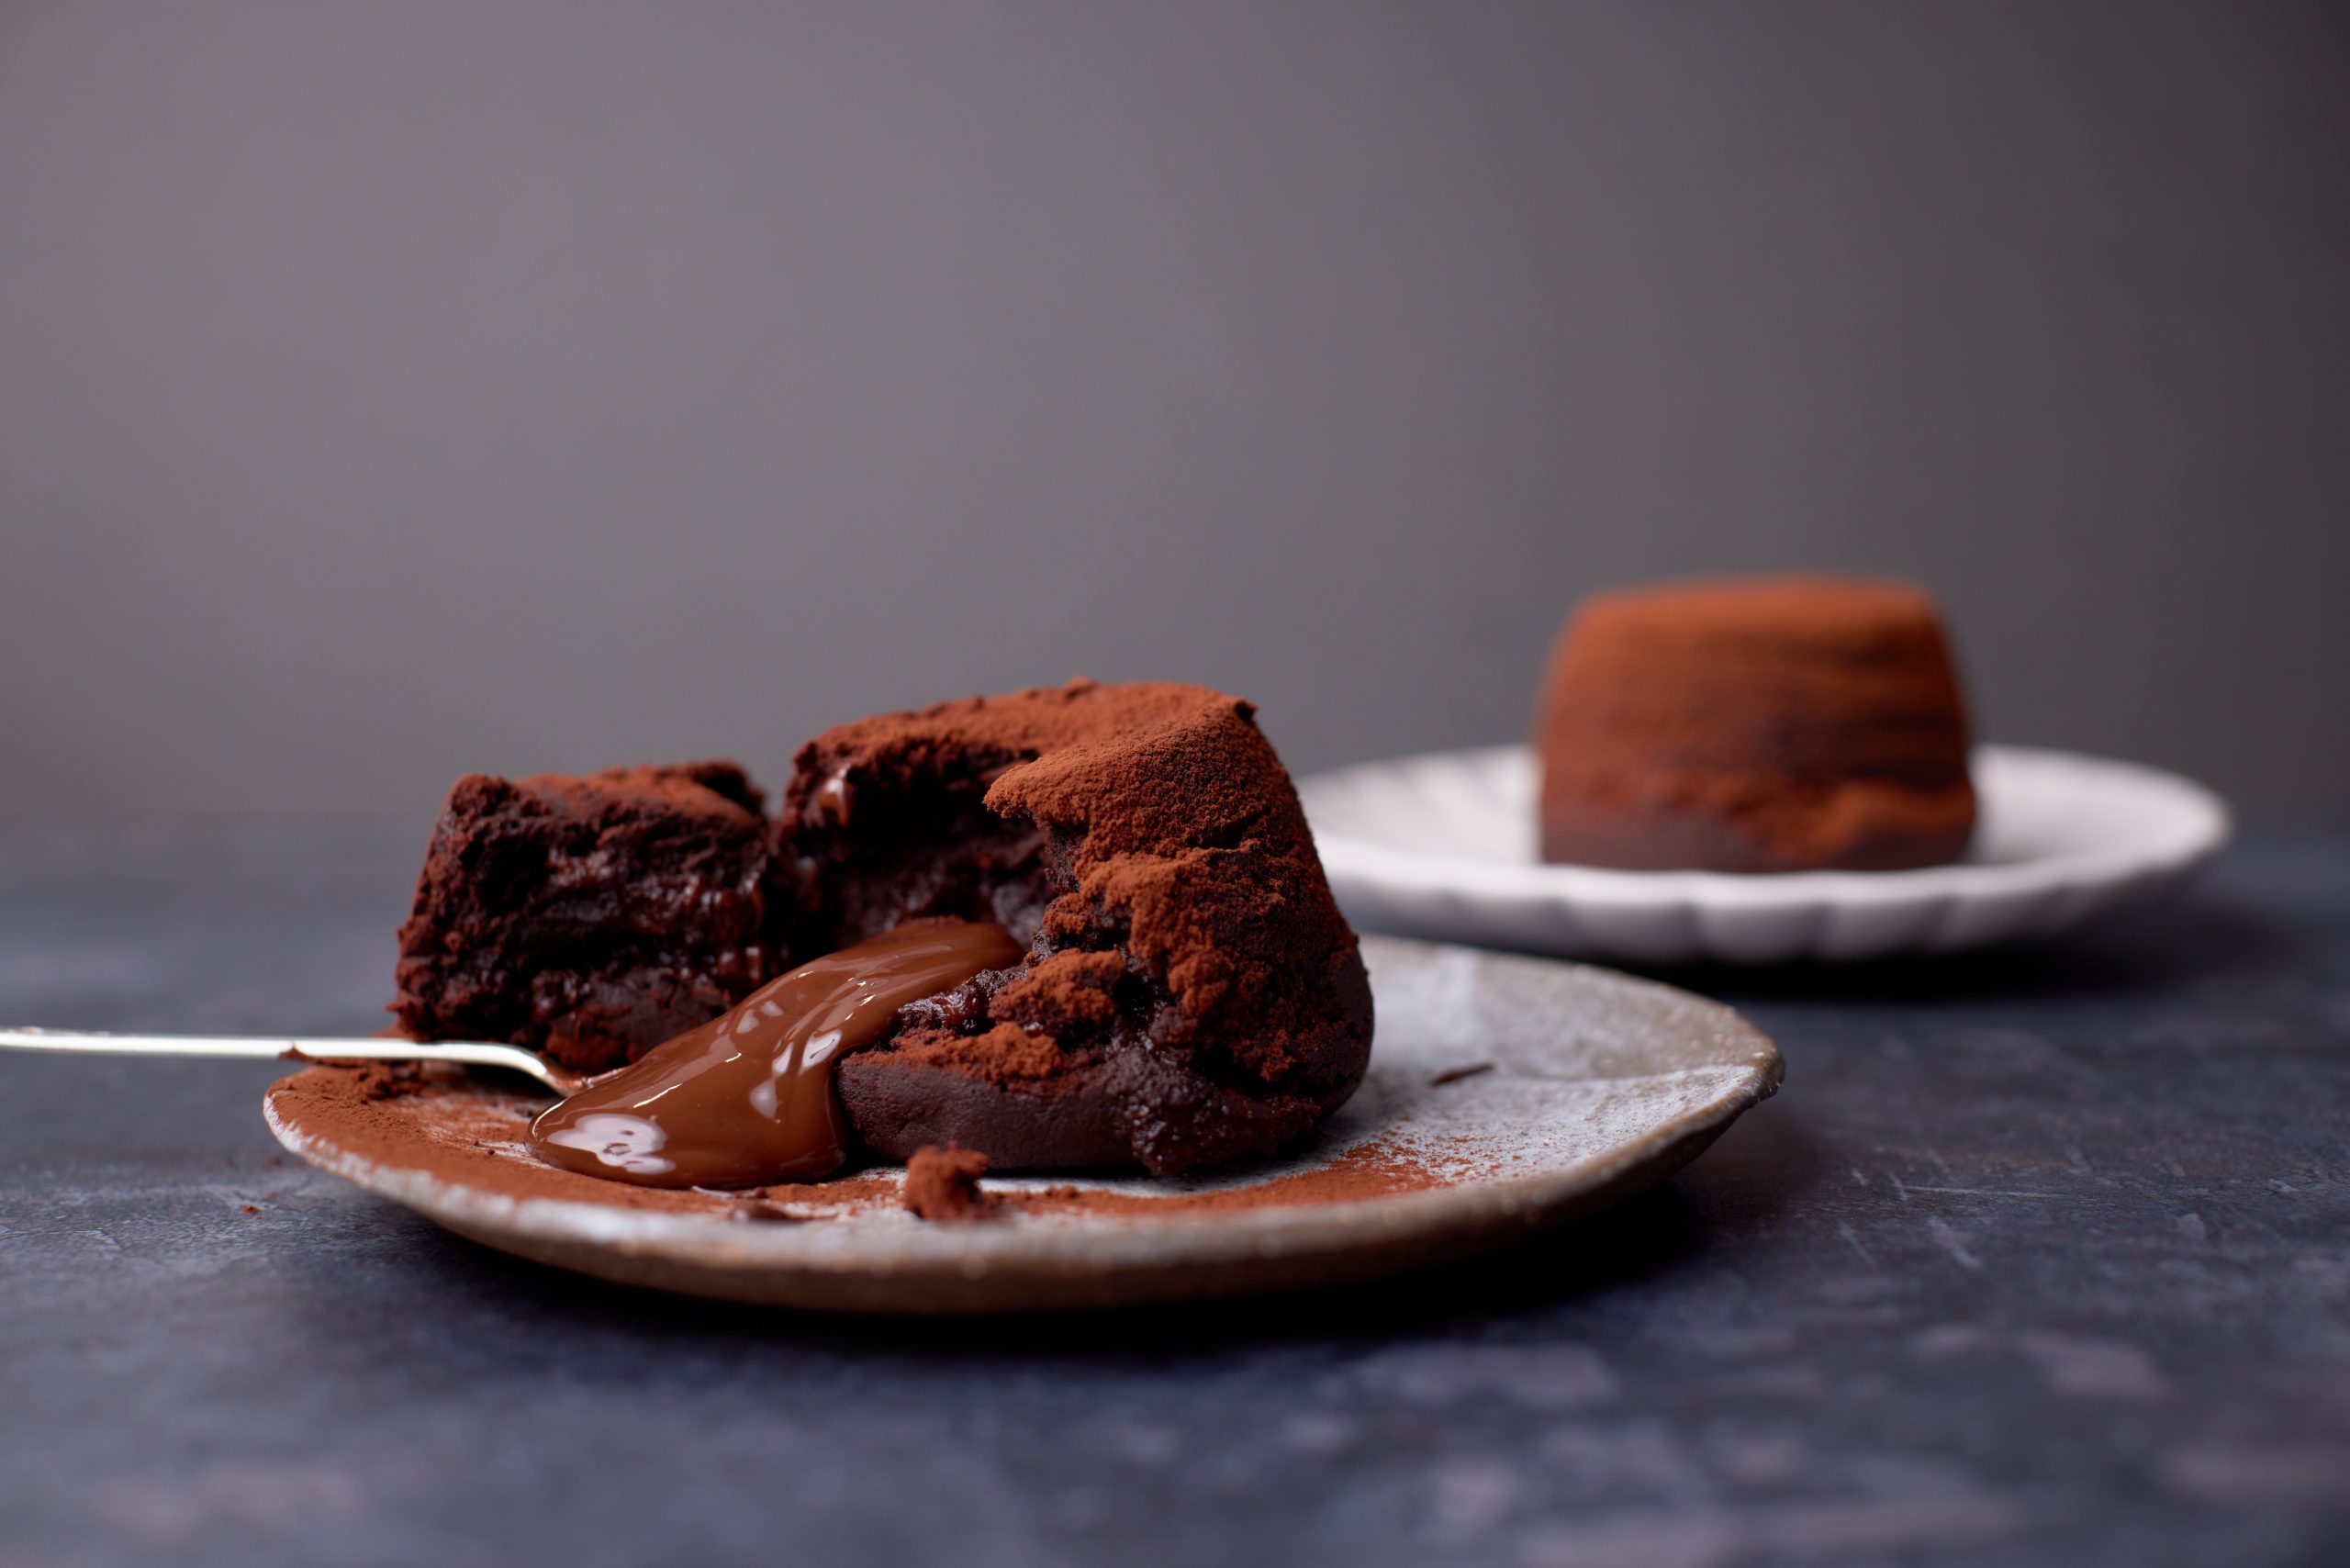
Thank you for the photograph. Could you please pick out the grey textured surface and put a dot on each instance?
(2040, 1259)
(390, 391)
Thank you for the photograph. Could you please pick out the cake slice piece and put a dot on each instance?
(588, 918)
(1190, 994)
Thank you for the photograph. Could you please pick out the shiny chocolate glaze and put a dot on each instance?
(747, 1098)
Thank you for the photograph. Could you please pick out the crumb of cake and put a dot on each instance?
(943, 1185)
(390, 1080)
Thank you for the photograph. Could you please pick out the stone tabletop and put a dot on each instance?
(2040, 1258)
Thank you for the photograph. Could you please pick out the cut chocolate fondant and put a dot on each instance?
(1184, 990)
(1191, 993)
(588, 918)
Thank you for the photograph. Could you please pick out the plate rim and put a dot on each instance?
(1076, 1262)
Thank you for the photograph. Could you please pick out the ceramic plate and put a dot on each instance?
(1443, 845)
(1505, 1093)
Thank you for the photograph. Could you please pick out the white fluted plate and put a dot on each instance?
(1444, 845)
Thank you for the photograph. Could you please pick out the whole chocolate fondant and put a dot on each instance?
(1191, 993)
(1762, 725)
(589, 918)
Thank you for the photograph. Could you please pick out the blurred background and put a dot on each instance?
(392, 390)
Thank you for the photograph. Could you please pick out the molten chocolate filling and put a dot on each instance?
(747, 1098)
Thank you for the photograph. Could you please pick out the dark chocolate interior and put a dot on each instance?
(887, 848)
(575, 916)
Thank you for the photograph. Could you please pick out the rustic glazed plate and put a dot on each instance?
(1505, 1094)
(1443, 845)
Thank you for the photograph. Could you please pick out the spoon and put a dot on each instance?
(472, 1053)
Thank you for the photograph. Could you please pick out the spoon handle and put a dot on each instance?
(472, 1053)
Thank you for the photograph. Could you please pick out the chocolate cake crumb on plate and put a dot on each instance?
(943, 1185)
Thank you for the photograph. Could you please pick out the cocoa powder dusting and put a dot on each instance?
(468, 1131)
(1374, 1170)
(1148, 841)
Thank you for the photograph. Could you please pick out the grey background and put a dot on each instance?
(391, 391)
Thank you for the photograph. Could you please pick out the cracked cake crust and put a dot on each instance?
(1191, 993)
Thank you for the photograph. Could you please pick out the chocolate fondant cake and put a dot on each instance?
(1190, 994)
(588, 918)
(1178, 988)
(1762, 725)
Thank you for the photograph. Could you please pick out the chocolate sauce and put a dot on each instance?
(747, 1098)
